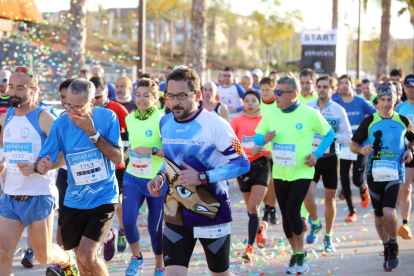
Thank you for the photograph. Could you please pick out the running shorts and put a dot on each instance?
(328, 168)
(258, 175)
(384, 194)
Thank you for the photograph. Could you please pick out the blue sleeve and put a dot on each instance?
(325, 143)
(162, 86)
(370, 108)
(240, 90)
(259, 140)
(54, 112)
(113, 135)
(111, 91)
(234, 168)
(52, 145)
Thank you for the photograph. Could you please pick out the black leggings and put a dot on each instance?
(358, 172)
(290, 196)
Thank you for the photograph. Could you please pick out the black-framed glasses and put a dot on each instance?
(280, 92)
(180, 96)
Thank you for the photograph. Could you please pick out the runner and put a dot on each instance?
(328, 165)
(397, 75)
(293, 159)
(231, 94)
(274, 75)
(252, 184)
(257, 76)
(268, 101)
(398, 88)
(357, 109)
(85, 74)
(307, 79)
(246, 83)
(201, 152)
(384, 133)
(98, 71)
(4, 91)
(90, 141)
(167, 72)
(123, 90)
(368, 90)
(101, 100)
(407, 109)
(29, 198)
(210, 103)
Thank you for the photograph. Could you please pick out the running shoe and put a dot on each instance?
(385, 254)
(135, 266)
(313, 234)
(302, 263)
(305, 226)
(328, 242)
(365, 198)
(352, 217)
(110, 246)
(71, 269)
(56, 270)
(159, 272)
(261, 234)
(273, 217)
(266, 214)
(292, 265)
(122, 243)
(248, 253)
(28, 258)
(393, 258)
(405, 232)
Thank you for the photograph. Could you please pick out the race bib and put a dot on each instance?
(17, 152)
(140, 165)
(248, 142)
(212, 232)
(347, 154)
(384, 170)
(284, 155)
(87, 167)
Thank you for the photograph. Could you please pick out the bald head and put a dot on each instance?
(4, 82)
(209, 91)
(97, 71)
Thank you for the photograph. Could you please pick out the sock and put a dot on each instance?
(254, 223)
(111, 235)
(299, 253)
(405, 221)
(317, 222)
(160, 268)
(121, 231)
(303, 212)
(272, 210)
(393, 241)
(139, 258)
(328, 234)
(267, 207)
(67, 260)
(386, 245)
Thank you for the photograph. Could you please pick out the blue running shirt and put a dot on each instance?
(407, 110)
(91, 175)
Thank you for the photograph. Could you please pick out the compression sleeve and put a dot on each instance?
(234, 168)
(259, 140)
(325, 143)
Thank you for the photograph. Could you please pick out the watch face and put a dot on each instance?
(203, 176)
(93, 140)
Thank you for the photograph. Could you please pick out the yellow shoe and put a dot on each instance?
(405, 232)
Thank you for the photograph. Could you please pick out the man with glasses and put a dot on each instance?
(246, 83)
(307, 79)
(231, 94)
(4, 91)
(29, 198)
(90, 141)
(119, 243)
(201, 152)
(328, 165)
(293, 160)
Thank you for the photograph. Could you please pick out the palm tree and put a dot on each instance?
(77, 37)
(409, 8)
(199, 36)
(335, 14)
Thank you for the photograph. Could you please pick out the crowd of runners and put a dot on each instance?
(176, 144)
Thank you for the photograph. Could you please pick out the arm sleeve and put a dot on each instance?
(52, 145)
(259, 140)
(325, 143)
(409, 132)
(344, 134)
(113, 135)
(234, 168)
(361, 134)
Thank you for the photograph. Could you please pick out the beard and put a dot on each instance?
(184, 115)
(15, 101)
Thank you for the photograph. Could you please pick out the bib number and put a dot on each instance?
(383, 170)
(17, 152)
(87, 167)
(347, 154)
(284, 155)
(212, 232)
(140, 165)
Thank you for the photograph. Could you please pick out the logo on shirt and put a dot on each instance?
(235, 143)
(148, 133)
(299, 126)
(24, 132)
(7, 134)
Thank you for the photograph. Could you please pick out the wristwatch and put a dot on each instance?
(203, 177)
(154, 151)
(95, 137)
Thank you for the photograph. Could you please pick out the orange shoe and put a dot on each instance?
(248, 254)
(365, 199)
(261, 234)
(351, 217)
(305, 226)
(405, 232)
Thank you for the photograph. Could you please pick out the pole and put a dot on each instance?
(141, 36)
(359, 49)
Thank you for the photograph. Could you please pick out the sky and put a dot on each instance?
(314, 16)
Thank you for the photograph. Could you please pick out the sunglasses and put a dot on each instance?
(23, 70)
(358, 90)
(3, 80)
(245, 82)
(227, 75)
(98, 97)
(280, 92)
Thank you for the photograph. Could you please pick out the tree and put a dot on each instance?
(409, 8)
(199, 36)
(335, 14)
(77, 37)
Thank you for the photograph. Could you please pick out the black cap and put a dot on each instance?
(252, 92)
(409, 80)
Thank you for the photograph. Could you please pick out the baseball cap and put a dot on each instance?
(409, 80)
(257, 72)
